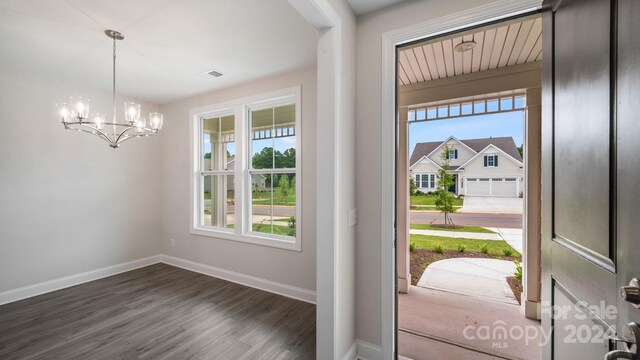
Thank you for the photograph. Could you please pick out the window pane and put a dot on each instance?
(218, 201)
(273, 137)
(261, 140)
(442, 111)
(467, 109)
(273, 207)
(412, 115)
(506, 103)
(492, 105)
(285, 141)
(519, 102)
(432, 113)
(218, 143)
(454, 110)
(478, 107)
(421, 114)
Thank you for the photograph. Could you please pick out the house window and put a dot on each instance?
(246, 176)
(490, 160)
(453, 154)
(216, 173)
(426, 181)
(273, 161)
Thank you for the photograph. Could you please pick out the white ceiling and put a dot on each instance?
(501, 45)
(168, 43)
(361, 7)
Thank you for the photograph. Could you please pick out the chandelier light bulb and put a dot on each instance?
(99, 120)
(131, 112)
(155, 121)
(80, 107)
(140, 123)
(64, 112)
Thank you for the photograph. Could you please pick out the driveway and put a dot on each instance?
(489, 204)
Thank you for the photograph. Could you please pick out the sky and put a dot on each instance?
(472, 127)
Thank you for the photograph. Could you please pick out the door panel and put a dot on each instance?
(628, 151)
(574, 330)
(581, 124)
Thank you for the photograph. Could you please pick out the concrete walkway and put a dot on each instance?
(432, 325)
(512, 236)
(484, 278)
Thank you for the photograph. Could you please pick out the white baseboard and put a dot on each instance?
(367, 351)
(243, 279)
(352, 353)
(72, 280)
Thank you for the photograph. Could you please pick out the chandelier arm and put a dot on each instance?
(124, 132)
(94, 131)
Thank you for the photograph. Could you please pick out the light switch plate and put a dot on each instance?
(353, 217)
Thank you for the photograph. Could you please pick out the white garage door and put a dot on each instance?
(491, 187)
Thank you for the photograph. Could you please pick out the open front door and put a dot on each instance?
(591, 172)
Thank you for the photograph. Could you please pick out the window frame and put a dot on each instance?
(240, 108)
(491, 157)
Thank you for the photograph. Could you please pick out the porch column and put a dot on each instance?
(532, 271)
(403, 203)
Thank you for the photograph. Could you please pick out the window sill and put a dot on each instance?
(279, 242)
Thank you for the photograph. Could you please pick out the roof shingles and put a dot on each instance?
(505, 144)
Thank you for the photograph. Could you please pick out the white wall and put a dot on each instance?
(68, 202)
(293, 268)
(368, 154)
(346, 183)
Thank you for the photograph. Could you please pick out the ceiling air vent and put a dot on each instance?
(214, 73)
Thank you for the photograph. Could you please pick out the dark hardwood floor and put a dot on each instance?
(158, 312)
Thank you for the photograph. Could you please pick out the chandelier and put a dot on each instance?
(75, 114)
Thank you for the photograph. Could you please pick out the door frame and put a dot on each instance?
(492, 12)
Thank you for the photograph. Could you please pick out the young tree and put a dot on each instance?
(444, 198)
(283, 187)
(412, 186)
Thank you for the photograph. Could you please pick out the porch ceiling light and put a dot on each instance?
(465, 46)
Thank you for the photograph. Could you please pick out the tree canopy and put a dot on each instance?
(265, 159)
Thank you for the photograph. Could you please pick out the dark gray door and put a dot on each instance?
(591, 167)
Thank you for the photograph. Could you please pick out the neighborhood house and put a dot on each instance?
(480, 167)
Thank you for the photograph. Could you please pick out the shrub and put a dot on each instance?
(439, 248)
(462, 248)
(412, 246)
(419, 193)
(518, 273)
(291, 231)
(507, 252)
(484, 249)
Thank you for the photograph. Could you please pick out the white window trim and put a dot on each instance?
(240, 108)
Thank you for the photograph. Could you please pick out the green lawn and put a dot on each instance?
(427, 242)
(474, 229)
(430, 200)
(277, 229)
(265, 228)
(264, 198)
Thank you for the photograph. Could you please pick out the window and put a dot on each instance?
(216, 173)
(425, 181)
(453, 154)
(490, 160)
(246, 170)
(272, 161)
